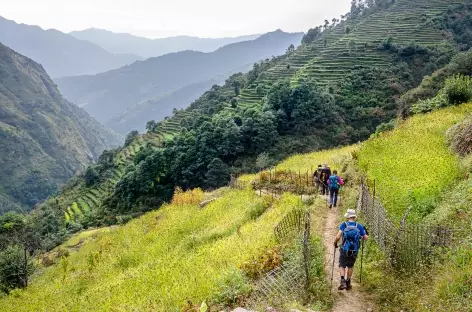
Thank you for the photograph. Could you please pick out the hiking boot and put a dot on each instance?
(348, 284)
(343, 285)
(330, 206)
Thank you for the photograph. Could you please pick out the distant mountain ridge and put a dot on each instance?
(60, 54)
(45, 139)
(135, 117)
(111, 93)
(123, 43)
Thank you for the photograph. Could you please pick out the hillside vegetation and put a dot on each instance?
(60, 54)
(414, 166)
(409, 174)
(45, 140)
(278, 108)
(146, 263)
(111, 93)
(169, 260)
(436, 185)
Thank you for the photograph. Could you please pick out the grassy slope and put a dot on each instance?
(433, 186)
(419, 147)
(146, 264)
(412, 165)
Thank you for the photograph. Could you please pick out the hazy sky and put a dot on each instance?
(157, 18)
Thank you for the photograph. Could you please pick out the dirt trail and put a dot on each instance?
(354, 300)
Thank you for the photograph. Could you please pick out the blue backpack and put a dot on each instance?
(351, 239)
(334, 182)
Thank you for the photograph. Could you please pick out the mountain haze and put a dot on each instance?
(60, 54)
(45, 139)
(135, 117)
(111, 93)
(123, 43)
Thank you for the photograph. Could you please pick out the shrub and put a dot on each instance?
(191, 197)
(91, 176)
(458, 89)
(385, 126)
(14, 268)
(262, 264)
(428, 105)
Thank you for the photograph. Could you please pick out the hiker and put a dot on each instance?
(317, 178)
(351, 233)
(334, 183)
(325, 174)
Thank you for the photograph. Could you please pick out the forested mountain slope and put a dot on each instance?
(337, 88)
(45, 139)
(122, 43)
(59, 53)
(108, 94)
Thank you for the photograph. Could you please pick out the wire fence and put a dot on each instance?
(280, 181)
(274, 183)
(291, 279)
(407, 246)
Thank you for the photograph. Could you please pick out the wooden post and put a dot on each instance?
(373, 209)
(306, 250)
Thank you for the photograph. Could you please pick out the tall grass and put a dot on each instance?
(162, 260)
(309, 162)
(412, 164)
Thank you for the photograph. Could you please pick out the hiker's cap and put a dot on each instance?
(351, 213)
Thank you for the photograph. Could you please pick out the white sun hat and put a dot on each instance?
(351, 213)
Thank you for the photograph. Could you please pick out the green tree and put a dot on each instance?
(217, 174)
(259, 90)
(351, 45)
(91, 176)
(130, 137)
(262, 161)
(291, 49)
(234, 102)
(150, 125)
(326, 24)
(15, 268)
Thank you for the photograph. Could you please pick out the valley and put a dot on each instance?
(210, 204)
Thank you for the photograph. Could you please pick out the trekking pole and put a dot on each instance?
(332, 270)
(362, 258)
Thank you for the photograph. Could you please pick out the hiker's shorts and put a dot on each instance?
(347, 261)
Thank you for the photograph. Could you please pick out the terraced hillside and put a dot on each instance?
(79, 201)
(343, 52)
(351, 45)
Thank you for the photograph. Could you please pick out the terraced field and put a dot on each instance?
(329, 59)
(80, 201)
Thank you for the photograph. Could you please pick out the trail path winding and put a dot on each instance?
(354, 300)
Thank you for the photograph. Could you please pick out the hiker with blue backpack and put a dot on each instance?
(351, 233)
(334, 183)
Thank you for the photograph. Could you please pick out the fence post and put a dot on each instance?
(373, 209)
(306, 249)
